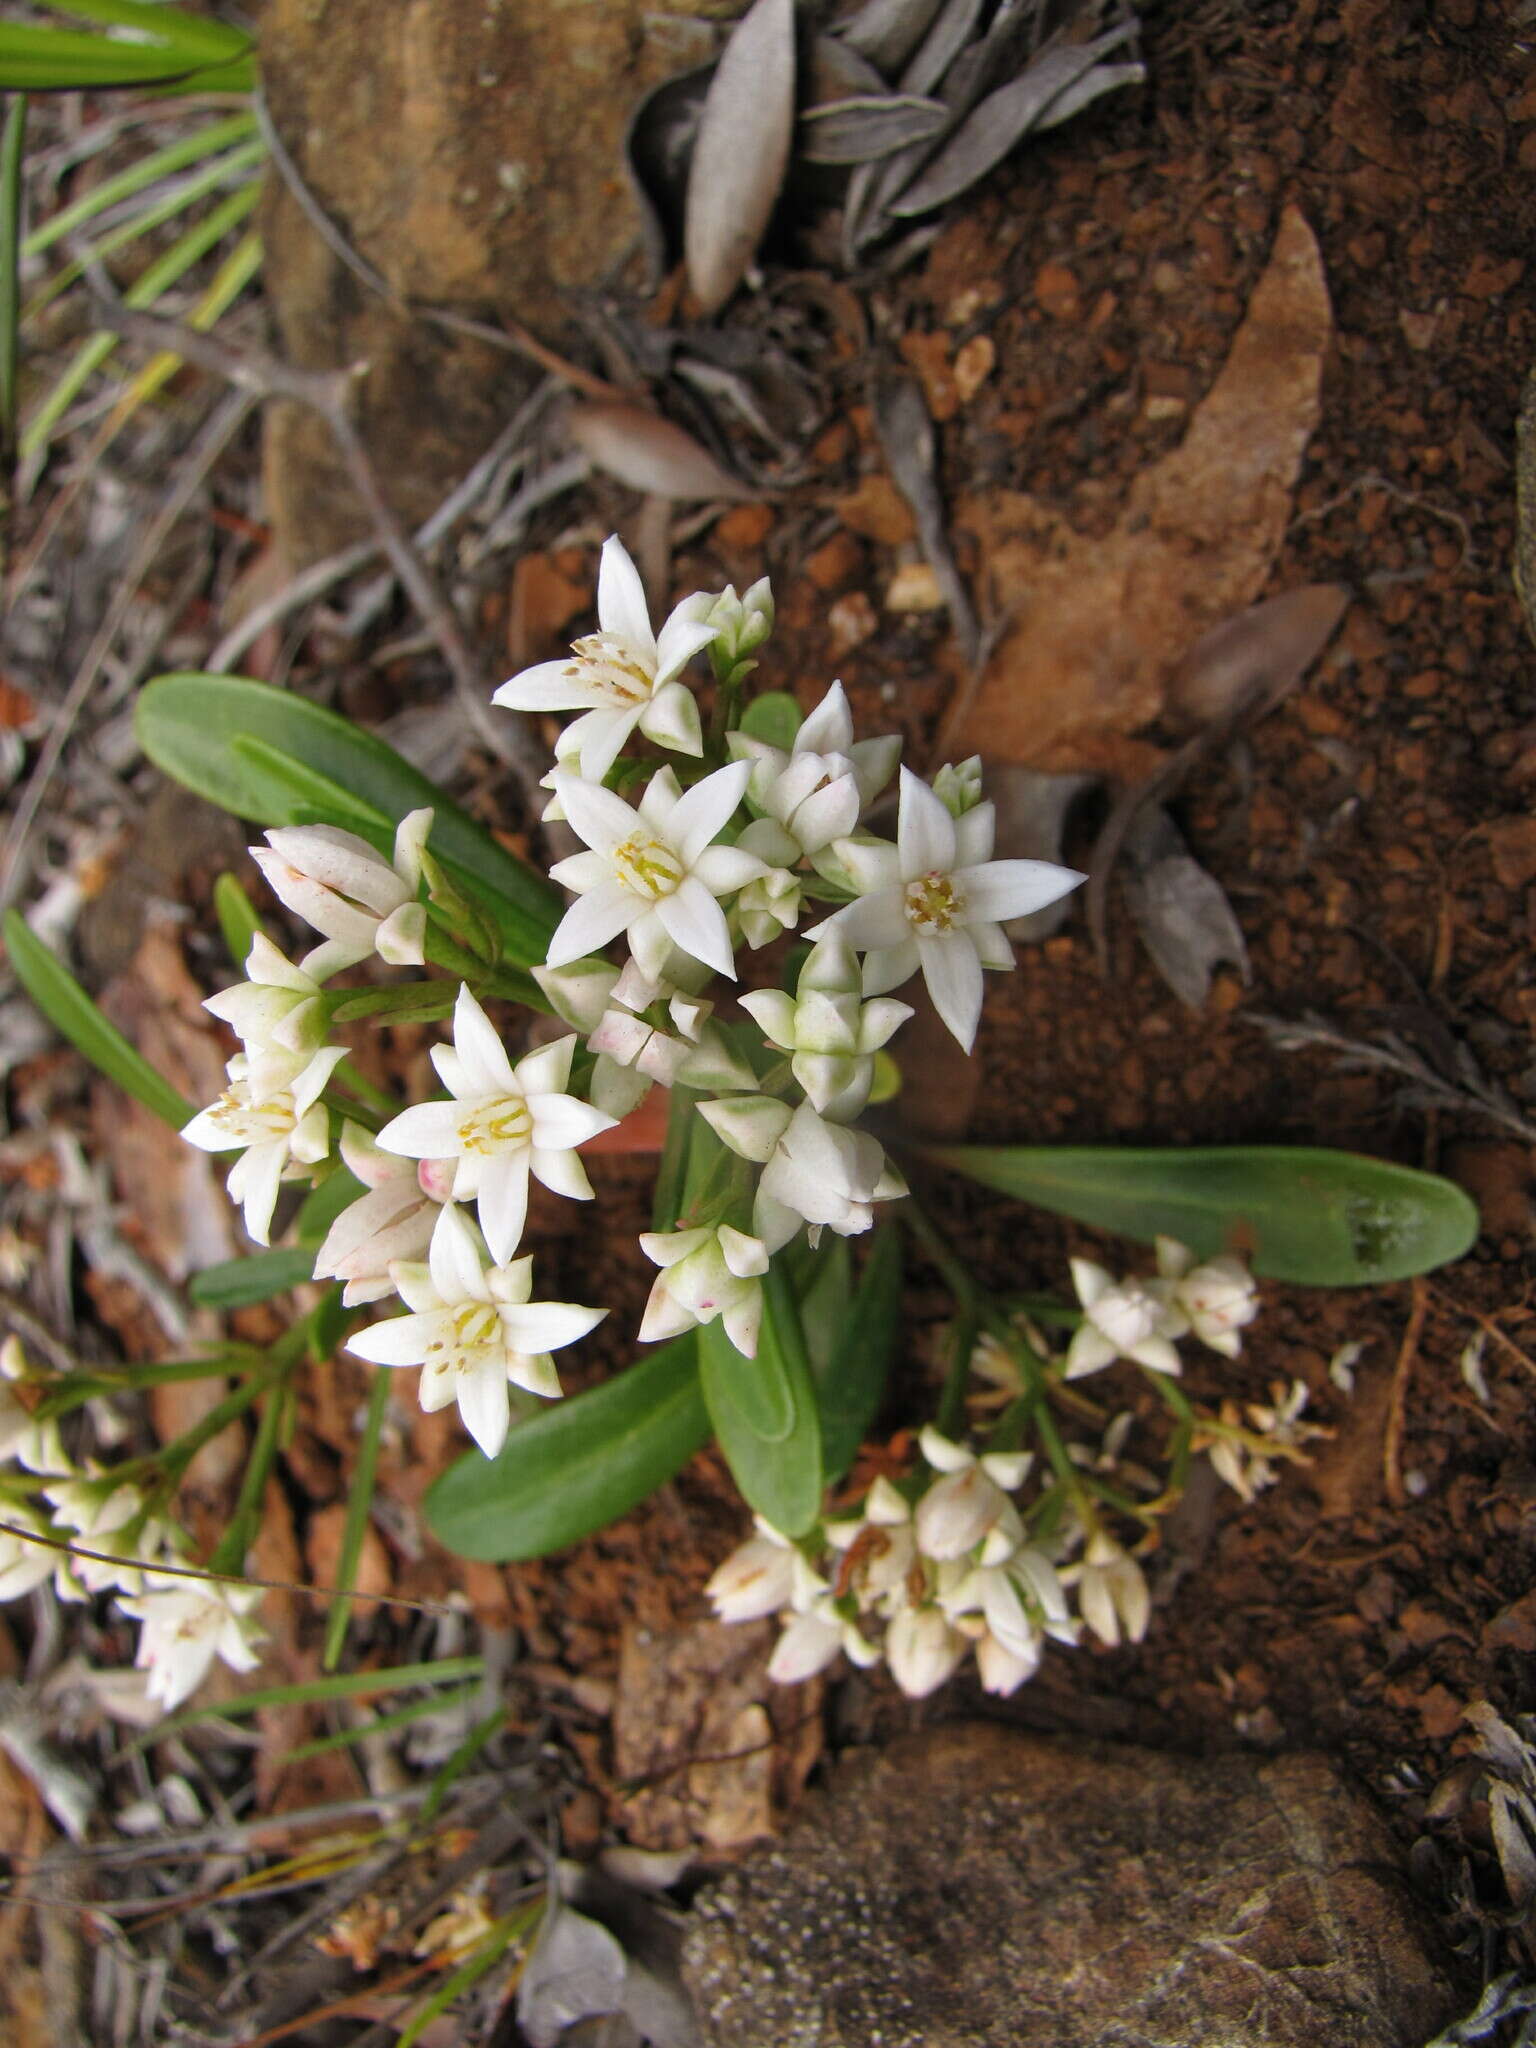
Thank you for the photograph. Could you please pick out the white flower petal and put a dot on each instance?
(595, 814)
(484, 1405)
(925, 831)
(484, 1060)
(621, 607)
(1001, 889)
(953, 974)
(695, 923)
(502, 1205)
(703, 812)
(591, 922)
(547, 686)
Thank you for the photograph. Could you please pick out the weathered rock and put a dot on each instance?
(471, 152)
(976, 1887)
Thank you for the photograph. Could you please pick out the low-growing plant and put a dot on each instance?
(721, 832)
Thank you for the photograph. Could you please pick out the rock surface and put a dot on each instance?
(976, 1887)
(471, 152)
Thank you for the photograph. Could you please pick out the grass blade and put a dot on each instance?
(12, 142)
(139, 176)
(359, 1501)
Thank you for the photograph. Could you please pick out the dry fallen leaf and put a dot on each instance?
(1253, 660)
(741, 151)
(649, 453)
(1099, 625)
(1181, 912)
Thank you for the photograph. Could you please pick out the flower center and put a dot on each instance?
(647, 866)
(1128, 1316)
(613, 668)
(933, 903)
(475, 1326)
(254, 1123)
(501, 1125)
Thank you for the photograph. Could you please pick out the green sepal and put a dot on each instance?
(575, 1466)
(1301, 1213)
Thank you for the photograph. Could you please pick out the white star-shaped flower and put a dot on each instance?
(272, 1109)
(1133, 1319)
(937, 900)
(652, 873)
(621, 676)
(187, 1625)
(475, 1331)
(503, 1123)
(813, 792)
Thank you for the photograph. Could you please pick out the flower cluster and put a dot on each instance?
(94, 1531)
(695, 849)
(995, 1550)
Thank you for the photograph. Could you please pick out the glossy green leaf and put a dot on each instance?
(74, 1016)
(1318, 1217)
(577, 1465)
(775, 717)
(194, 37)
(44, 59)
(239, 1283)
(275, 758)
(764, 1412)
(852, 1385)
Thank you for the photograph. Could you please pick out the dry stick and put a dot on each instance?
(205, 451)
(325, 392)
(1392, 1448)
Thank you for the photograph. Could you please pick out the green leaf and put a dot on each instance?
(238, 1283)
(1305, 1214)
(224, 736)
(853, 1383)
(765, 1414)
(774, 717)
(237, 918)
(44, 59)
(74, 1016)
(576, 1466)
(12, 144)
(204, 143)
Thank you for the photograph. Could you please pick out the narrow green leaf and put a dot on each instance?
(238, 1283)
(12, 144)
(775, 717)
(764, 1412)
(853, 1384)
(683, 1121)
(205, 142)
(191, 727)
(195, 37)
(1305, 1214)
(74, 1016)
(237, 918)
(359, 1501)
(43, 59)
(576, 1466)
(381, 1724)
(348, 1685)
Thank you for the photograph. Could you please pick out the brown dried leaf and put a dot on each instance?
(888, 31)
(741, 153)
(1181, 912)
(1100, 625)
(649, 453)
(1259, 655)
(865, 128)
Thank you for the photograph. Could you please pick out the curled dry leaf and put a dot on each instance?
(658, 147)
(649, 453)
(1252, 660)
(1181, 912)
(576, 1972)
(907, 436)
(741, 153)
(864, 129)
(1099, 624)
(888, 31)
(1032, 811)
(1004, 118)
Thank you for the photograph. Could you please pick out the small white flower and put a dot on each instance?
(923, 1648)
(24, 1565)
(360, 902)
(878, 1551)
(1218, 1297)
(705, 1274)
(653, 873)
(393, 1220)
(580, 992)
(832, 1034)
(33, 1444)
(811, 1641)
(937, 900)
(757, 1579)
(276, 1007)
(969, 1505)
(812, 794)
(186, 1626)
(1112, 1591)
(621, 676)
(97, 1512)
(1123, 1319)
(503, 1123)
(272, 1108)
(813, 1172)
(741, 624)
(475, 1331)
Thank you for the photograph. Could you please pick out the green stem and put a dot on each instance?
(229, 1556)
(359, 1501)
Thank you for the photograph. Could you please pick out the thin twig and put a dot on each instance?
(205, 451)
(326, 392)
(1397, 1411)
